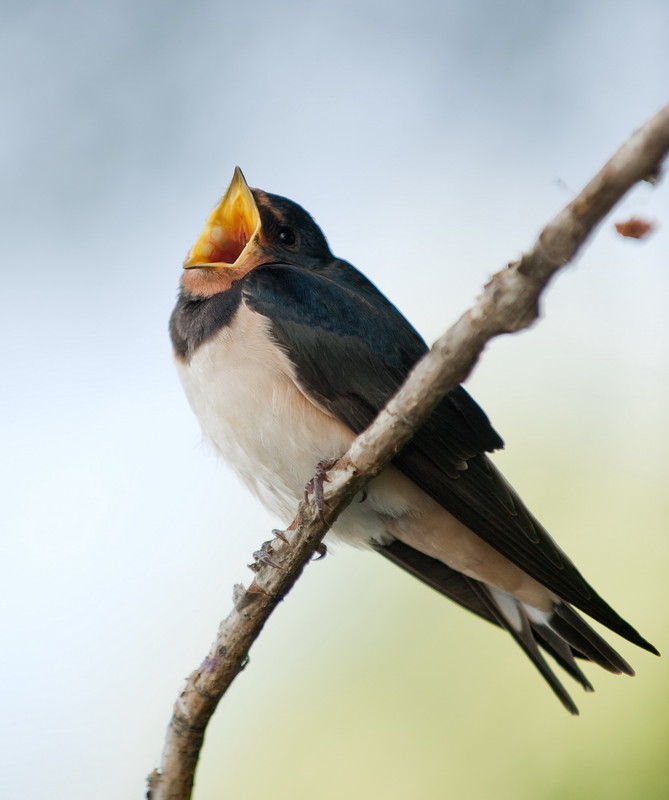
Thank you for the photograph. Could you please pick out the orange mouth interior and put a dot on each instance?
(229, 229)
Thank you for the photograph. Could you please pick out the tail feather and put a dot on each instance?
(580, 636)
(513, 618)
(563, 633)
(554, 644)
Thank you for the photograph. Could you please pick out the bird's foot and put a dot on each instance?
(315, 485)
(263, 556)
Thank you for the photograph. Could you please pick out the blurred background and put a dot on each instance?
(432, 141)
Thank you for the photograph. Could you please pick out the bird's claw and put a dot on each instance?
(315, 485)
(279, 534)
(320, 552)
(263, 556)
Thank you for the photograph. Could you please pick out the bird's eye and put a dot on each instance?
(287, 236)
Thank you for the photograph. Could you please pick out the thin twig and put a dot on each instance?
(508, 303)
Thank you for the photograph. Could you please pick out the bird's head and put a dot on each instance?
(247, 229)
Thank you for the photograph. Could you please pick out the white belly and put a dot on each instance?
(243, 391)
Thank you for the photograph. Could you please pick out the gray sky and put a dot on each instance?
(431, 140)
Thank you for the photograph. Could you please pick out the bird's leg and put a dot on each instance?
(315, 485)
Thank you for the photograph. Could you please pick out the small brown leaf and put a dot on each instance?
(634, 228)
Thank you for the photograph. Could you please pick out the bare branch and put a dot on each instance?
(509, 303)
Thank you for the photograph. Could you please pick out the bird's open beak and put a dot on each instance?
(229, 229)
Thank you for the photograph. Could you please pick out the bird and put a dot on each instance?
(286, 353)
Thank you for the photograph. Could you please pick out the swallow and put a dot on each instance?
(286, 353)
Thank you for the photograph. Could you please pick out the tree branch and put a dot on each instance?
(508, 303)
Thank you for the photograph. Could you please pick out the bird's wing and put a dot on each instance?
(352, 349)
